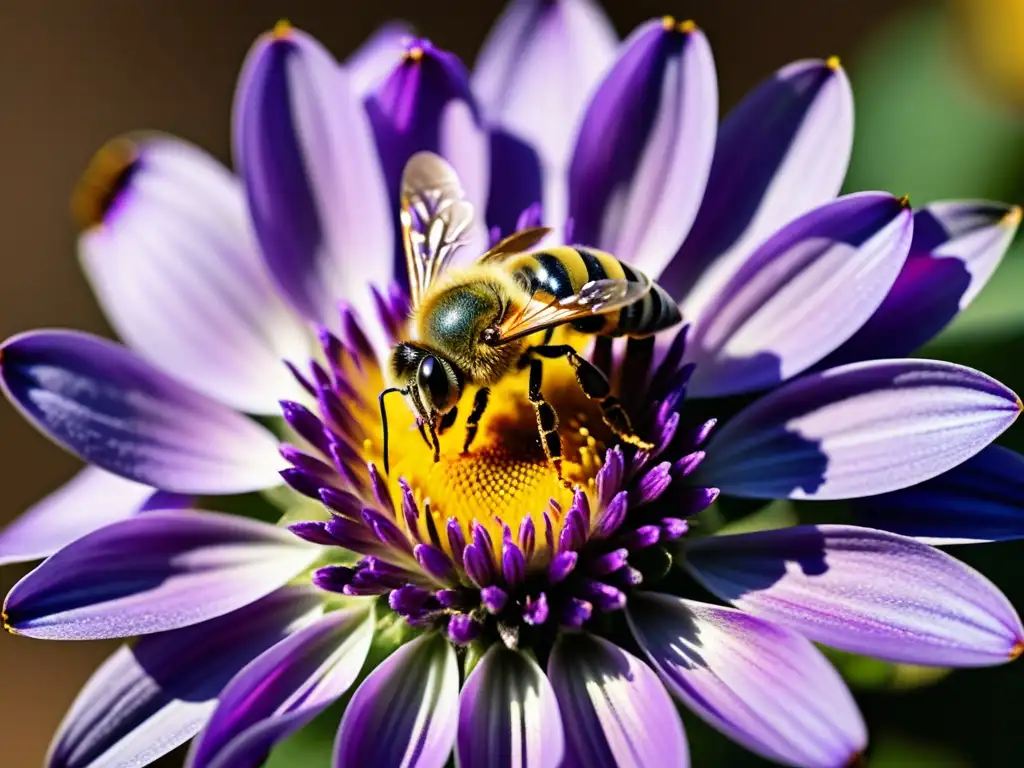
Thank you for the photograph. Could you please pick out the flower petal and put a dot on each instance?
(152, 573)
(283, 689)
(863, 591)
(101, 402)
(762, 685)
(858, 430)
(154, 695)
(800, 295)
(533, 77)
(178, 275)
(404, 712)
(979, 500)
(508, 715)
(956, 249)
(90, 500)
(374, 59)
(616, 711)
(305, 152)
(658, 107)
(781, 151)
(425, 104)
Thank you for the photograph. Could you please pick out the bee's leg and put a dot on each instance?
(423, 433)
(547, 421)
(595, 386)
(524, 359)
(447, 420)
(432, 429)
(473, 420)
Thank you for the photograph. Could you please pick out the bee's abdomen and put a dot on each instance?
(563, 271)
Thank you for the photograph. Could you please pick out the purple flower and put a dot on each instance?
(275, 293)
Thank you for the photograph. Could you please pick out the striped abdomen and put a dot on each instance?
(563, 271)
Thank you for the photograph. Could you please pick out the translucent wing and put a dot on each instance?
(520, 242)
(436, 219)
(597, 297)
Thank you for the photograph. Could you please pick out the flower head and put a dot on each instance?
(543, 613)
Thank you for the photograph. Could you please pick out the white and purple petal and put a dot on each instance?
(405, 712)
(283, 689)
(858, 430)
(508, 715)
(152, 573)
(181, 280)
(157, 693)
(373, 61)
(105, 404)
(425, 104)
(90, 500)
(956, 249)
(614, 708)
(645, 146)
(800, 295)
(764, 686)
(781, 151)
(533, 77)
(980, 500)
(864, 591)
(304, 149)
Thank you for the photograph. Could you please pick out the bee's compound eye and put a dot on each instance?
(433, 382)
(489, 335)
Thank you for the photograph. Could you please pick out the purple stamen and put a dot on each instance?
(389, 533)
(456, 539)
(643, 537)
(609, 562)
(333, 578)
(561, 566)
(685, 466)
(342, 502)
(575, 613)
(614, 515)
(493, 599)
(463, 629)
(549, 530)
(604, 596)
(673, 528)
(302, 380)
(653, 484)
(609, 477)
(479, 566)
(354, 337)
(527, 537)
(380, 490)
(302, 481)
(435, 562)
(536, 611)
(409, 600)
(513, 563)
(314, 532)
(303, 421)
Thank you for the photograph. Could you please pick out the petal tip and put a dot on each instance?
(282, 30)
(669, 24)
(1012, 217)
(833, 63)
(1015, 651)
(103, 181)
(905, 201)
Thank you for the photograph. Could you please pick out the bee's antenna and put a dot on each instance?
(384, 421)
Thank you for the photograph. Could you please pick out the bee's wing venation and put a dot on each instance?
(436, 218)
(594, 298)
(520, 242)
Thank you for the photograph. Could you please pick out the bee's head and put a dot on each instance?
(434, 384)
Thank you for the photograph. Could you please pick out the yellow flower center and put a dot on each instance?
(505, 477)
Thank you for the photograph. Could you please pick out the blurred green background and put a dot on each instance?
(939, 95)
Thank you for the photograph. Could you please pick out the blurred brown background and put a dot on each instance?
(74, 73)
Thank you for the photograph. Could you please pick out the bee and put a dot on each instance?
(472, 325)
